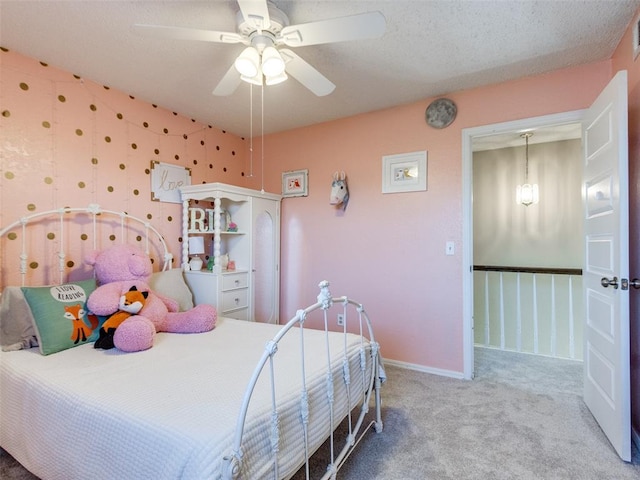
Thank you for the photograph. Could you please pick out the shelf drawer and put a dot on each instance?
(235, 299)
(242, 314)
(231, 281)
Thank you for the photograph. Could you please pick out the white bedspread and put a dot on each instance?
(166, 413)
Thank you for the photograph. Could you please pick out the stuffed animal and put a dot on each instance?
(117, 270)
(131, 303)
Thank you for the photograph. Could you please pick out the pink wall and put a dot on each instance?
(388, 251)
(623, 60)
(67, 141)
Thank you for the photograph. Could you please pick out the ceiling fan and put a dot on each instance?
(265, 31)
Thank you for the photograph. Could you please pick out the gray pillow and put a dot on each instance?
(16, 321)
(170, 283)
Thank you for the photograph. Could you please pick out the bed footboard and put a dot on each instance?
(339, 365)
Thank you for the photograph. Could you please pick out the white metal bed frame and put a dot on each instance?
(96, 213)
(232, 464)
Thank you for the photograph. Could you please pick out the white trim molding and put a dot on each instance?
(424, 369)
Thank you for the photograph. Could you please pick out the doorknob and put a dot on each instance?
(635, 283)
(605, 282)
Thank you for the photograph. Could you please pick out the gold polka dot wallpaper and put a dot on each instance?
(67, 141)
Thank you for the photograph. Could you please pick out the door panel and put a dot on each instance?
(599, 250)
(265, 260)
(599, 197)
(605, 187)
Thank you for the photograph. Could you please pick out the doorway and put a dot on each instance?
(606, 254)
(528, 256)
(469, 136)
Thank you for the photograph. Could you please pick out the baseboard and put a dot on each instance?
(635, 437)
(491, 347)
(424, 369)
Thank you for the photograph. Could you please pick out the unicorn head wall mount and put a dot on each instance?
(339, 190)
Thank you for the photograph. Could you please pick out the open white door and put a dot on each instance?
(606, 264)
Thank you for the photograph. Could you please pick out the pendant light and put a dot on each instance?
(527, 193)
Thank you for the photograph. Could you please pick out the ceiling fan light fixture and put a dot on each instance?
(265, 32)
(248, 62)
(272, 62)
(276, 79)
(255, 80)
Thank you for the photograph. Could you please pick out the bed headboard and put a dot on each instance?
(54, 243)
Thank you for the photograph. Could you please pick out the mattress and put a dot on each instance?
(170, 412)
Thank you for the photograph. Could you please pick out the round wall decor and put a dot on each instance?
(441, 113)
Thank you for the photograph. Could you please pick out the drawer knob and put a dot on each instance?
(237, 282)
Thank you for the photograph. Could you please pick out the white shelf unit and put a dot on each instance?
(251, 290)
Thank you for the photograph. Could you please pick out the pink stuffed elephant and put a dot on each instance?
(117, 269)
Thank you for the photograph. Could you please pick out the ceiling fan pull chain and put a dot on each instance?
(262, 137)
(250, 130)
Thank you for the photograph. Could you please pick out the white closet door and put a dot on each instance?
(265, 275)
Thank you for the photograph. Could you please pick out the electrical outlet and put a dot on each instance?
(340, 319)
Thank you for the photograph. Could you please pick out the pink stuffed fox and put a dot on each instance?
(121, 267)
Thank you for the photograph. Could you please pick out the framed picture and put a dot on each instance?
(295, 183)
(166, 180)
(405, 172)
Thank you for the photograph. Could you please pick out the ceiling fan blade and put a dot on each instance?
(306, 74)
(255, 13)
(341, 29)
(229, 83)
(181, 33)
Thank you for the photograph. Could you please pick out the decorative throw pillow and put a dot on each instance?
(16, 321)
(170, 283)
(60, 315)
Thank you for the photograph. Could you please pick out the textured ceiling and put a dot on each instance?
(430, 48)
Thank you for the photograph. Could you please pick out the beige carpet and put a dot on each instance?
(521, 418)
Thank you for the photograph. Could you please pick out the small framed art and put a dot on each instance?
(166, 180)
(295, 183)
(405, 172)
